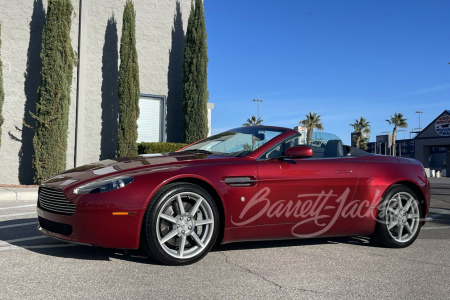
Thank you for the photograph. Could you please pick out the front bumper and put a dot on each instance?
(51, 234)
(94, 224)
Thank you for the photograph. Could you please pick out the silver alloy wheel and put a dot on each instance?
(402, 217)
(185, 225)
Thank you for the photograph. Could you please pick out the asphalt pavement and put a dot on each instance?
(35, 266)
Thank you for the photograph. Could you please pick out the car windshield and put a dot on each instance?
(236, 142)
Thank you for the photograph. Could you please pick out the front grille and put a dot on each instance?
(55, 227)
(54, 201)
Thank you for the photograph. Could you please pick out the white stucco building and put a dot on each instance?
(95, 32)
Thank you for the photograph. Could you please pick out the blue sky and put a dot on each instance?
(340, 58)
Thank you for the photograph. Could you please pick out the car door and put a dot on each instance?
(309, 193)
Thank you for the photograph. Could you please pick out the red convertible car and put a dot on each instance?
(248, 183)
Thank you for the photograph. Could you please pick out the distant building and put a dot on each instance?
(431, 146)
(405, 148)
(383, 145)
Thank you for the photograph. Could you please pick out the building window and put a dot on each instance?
(152, 121)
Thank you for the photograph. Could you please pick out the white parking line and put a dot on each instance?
(18, 225)
(13, 247)
(15, 215)
(23, 239)
(444, 212)
(443, 227)
(437, 214)
(22, 206)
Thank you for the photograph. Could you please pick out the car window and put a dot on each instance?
(324, 145)
(280, 149)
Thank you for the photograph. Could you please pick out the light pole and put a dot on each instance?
(257, 100)
(419, 112)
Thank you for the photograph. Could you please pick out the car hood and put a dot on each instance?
(117, 166)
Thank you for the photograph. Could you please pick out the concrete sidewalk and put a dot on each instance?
(21, 193)
(444, 180)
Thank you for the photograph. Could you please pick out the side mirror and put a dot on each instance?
(299, 152)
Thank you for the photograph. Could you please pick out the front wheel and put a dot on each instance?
(398, 221)
(181, 224)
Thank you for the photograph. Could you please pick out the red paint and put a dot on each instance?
(354, 184)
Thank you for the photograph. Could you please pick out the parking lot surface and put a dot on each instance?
(38, 267)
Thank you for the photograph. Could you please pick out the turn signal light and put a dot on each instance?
(123, 213)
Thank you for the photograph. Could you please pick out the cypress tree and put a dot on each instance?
(195, 89)
(2, 94)
(52, 107)
(128, 85)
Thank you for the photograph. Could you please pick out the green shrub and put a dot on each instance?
(147, 148)
(52, 107)
(195, 87)
(128, 85)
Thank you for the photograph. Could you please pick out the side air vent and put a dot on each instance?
(240, 181)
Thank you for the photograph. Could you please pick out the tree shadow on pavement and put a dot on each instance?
(23, 233)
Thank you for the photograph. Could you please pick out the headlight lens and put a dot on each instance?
(104, 185)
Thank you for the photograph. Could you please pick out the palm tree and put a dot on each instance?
(398, 121)
(363, 144)
(253, 121)
(312, 121)
(360, 126)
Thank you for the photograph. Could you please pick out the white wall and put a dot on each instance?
(159, 74)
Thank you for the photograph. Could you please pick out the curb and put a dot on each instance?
(21, 194)
(439, 180)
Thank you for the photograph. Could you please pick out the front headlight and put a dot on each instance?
(104, 185)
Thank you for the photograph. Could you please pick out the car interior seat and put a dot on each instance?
(334, 148)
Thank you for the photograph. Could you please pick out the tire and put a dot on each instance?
(398, 219)
(177, 234)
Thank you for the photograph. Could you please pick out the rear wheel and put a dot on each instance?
(181, 224)
(398, 221)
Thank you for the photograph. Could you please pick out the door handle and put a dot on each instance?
(343, 171)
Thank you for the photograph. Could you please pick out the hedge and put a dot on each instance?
(147, 148)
